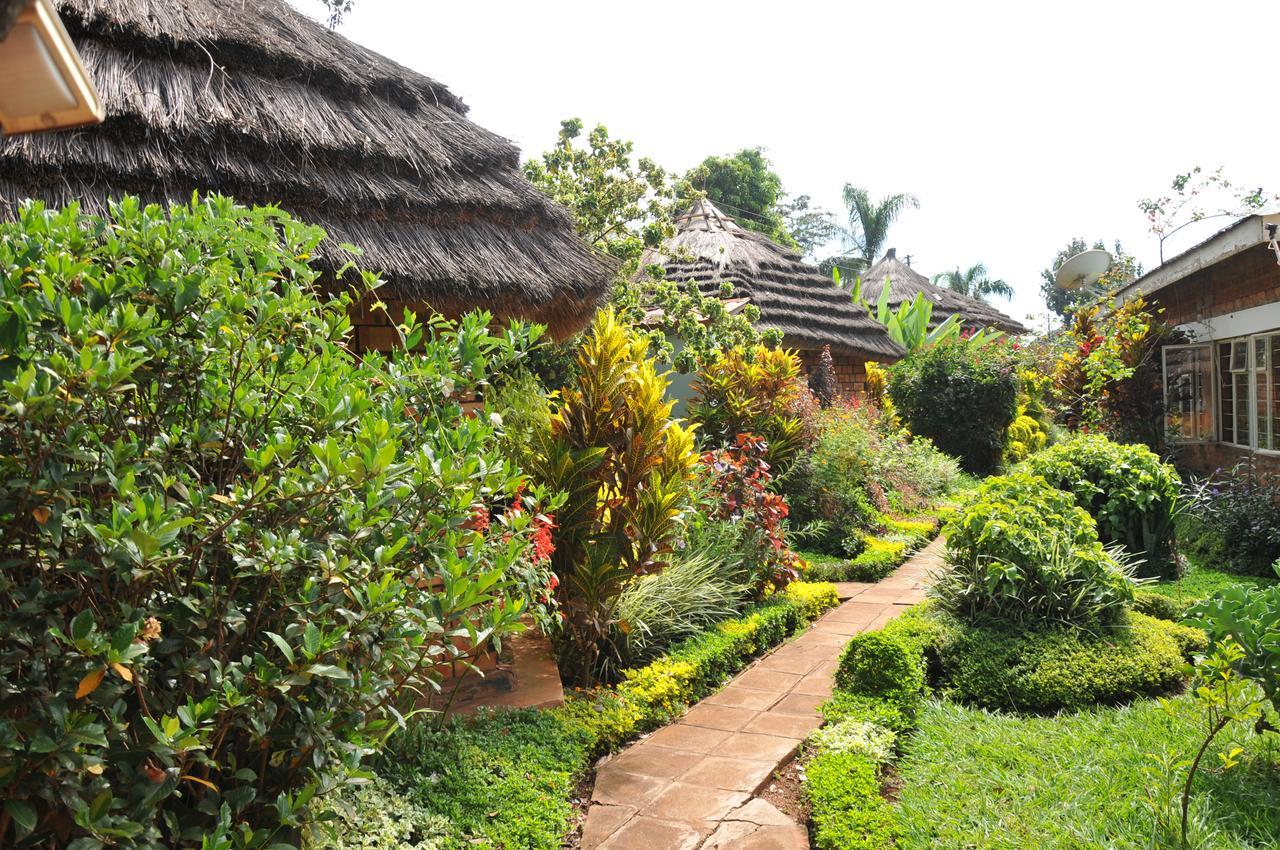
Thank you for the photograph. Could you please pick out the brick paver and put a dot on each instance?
(692, 784)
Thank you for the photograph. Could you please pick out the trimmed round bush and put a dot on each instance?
(1158, 605)
(1022, 552)
(1064, 668)
(1126, 488)
(883, 665)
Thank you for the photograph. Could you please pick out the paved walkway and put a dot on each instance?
(693, 784)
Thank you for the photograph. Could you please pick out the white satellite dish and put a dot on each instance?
(1082, 270)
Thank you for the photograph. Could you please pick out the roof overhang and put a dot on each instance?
(45, 84)
(1246, 233)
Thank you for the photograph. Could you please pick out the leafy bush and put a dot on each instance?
(961, 396)
(653, 612)
(378, 816)
(884, 666)
(847, 809)
(624, 465)
(1240, 509)
(737, 490)
(854, 736)
(1023, 552)
(232, 548)
(751, 391)
(1251, 618)
(1127, 489)
(1158, 605)
(1064, 667)
(847, 705)
(523, 414)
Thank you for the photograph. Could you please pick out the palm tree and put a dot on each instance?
(974, 282)
(869, 221)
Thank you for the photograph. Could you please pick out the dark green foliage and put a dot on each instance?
(848, 811)
(1023, 552)
(884, 666)
(847, 705)
(962, 397)
(1064, 667)
(1127, 489)
(1241, 519)
(748, 189)
(232, 549)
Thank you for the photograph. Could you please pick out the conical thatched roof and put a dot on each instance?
(905, 283)
(710, 248)
(253, 99)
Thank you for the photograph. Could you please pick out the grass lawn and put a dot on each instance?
(1201, 582)
(973, 779)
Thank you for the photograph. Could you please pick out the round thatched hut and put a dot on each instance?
(905, 283)
(255, 100)
(709, 247)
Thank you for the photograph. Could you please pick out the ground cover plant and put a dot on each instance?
(506, 778)
(235, 553)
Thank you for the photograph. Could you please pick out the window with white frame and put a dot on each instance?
(1248, 403)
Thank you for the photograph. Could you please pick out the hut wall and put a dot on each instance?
(851, 370)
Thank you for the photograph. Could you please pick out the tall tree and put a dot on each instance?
(869, 221)
(747, 188)
(975, 282)
(1124, 269)
(811, 227)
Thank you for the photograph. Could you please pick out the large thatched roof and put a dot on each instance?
(709, 247)
(253, 99)
(905, 283)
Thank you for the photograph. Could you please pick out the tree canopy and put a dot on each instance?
(747, 188)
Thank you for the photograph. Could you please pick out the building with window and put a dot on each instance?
(1222, 382)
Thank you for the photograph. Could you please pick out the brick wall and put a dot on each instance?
(851, 371)
(1249, 279)
(1206, 458)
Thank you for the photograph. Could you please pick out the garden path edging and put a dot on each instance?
(693, 783)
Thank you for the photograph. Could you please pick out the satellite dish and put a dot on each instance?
(1082, 270)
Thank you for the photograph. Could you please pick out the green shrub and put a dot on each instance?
(847, 809)
(379, 816)
(1063, 667)
(1023, 552)
(654, 612)
(884, 666)
(1158, 605)
(862, 737)
(962, 397)
(1127, 489)
(233, 550)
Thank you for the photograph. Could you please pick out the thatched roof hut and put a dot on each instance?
(905, 283)
(709, 247)
(255, 100)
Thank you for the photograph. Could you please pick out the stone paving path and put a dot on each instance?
(693, 783)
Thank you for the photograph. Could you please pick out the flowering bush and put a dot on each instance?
(739, 486)
(235, 552)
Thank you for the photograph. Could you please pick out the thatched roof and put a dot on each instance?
(793, 297)
(253, 99)
(905, 283)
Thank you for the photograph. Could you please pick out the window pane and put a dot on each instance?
(1241, 393)
(1273, 416)
(1188, 375)
(1226, 395)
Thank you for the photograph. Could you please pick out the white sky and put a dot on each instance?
(1017, 125)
